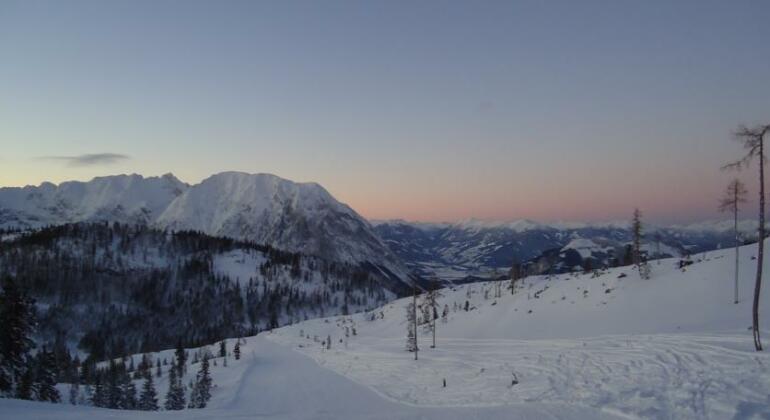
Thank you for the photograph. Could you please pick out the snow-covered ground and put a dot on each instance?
(674, 346)
(581, 346)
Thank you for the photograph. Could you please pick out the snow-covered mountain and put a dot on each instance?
(119, 198)
(263, 208)
(474, 248)
(300, 217)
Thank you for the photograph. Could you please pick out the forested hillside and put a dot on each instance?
(112, 289)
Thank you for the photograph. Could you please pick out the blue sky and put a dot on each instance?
(419, 110)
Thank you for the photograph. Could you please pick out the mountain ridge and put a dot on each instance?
(264, 208)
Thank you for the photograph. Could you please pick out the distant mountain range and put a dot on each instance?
(263, 208)
(305, 218)
(478, 249)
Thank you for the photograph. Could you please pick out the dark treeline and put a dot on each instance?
(113, 289)
(30, 373)
(25, 372)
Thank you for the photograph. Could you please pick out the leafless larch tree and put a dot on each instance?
(734, 196)
(752, 140)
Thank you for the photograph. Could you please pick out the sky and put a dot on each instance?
(429, 111)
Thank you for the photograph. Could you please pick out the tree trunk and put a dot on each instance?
(761, 244)
(433, 315)
(737, 245)
(414, 320)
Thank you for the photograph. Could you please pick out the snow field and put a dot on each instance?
(674, 346)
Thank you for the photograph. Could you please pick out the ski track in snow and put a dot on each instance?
(277, 383)
(654, 376)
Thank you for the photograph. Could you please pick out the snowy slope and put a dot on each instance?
(120, 198)
(581, 346)
(270, 382)
(674, 346)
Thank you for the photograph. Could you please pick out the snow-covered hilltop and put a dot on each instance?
(263, 208)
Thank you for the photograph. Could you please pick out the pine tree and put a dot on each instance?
(753, 139)
(158, 370)
(638, 259)
(237, 350)
(128, 400)
(202, 388)
(99, 397)
(26, 386)
(148, 400)
(113, 391)
(223, 348)
(46, 377)
(17, 315)
(74, 392)
(175, 398)
(181, 359)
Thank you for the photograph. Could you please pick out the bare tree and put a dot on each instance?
(430, 305)
(516, 274)
(752, 140)
(413, 328)
(734, 196)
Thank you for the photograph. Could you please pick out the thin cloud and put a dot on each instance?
(90, 159)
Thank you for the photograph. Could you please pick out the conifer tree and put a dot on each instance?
(113, 392)
(636, 232)
(128, 389)
(181, 359)
(17, 315)
(202, 388)
(46, 377)
(74, 391)
(237, 350)
(223, 348)
(148, 400)
(97, 398)
(175, 398)
(26, 386)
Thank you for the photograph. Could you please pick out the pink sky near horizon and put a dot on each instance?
(502, 110)
(666, 197)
